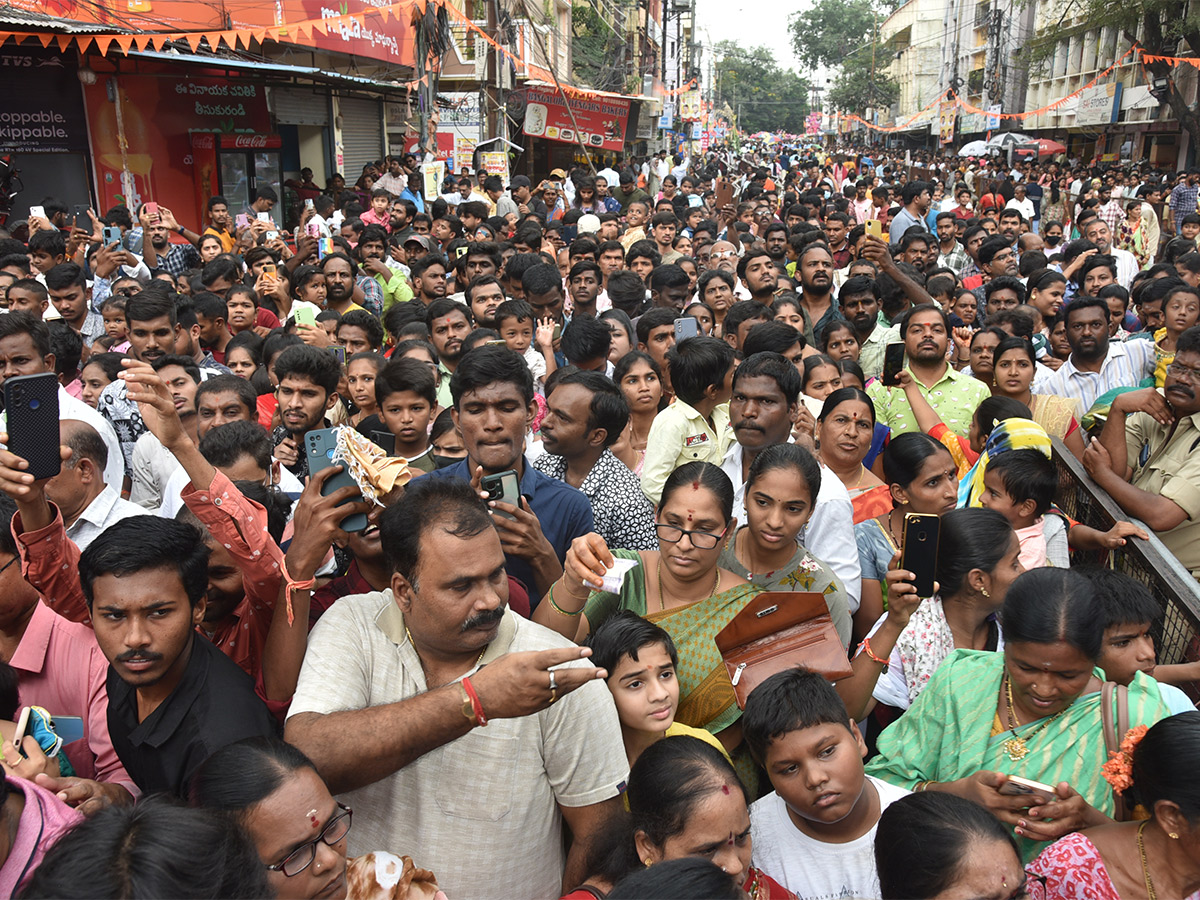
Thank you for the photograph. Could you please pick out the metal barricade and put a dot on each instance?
(1177, 633)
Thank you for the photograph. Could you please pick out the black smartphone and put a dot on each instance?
(385, 440)
(31, 404)
(919, 550)
(82, 219)
(339, 353)
(504, 487)
(893, 362)
(319, 444)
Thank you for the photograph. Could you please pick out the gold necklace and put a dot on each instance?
(1016, 747)
(1141, 845)
(408, 634)
(662, 606)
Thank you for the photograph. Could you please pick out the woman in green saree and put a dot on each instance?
(678, 587)
(1033, 711)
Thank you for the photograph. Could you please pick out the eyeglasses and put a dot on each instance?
(14, 559)
(1187, 373)
(701, 540)
(301, 858)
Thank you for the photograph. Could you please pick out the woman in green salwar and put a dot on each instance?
(1033, 710)
(678, 587)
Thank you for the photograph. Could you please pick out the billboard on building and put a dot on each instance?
(598, 123)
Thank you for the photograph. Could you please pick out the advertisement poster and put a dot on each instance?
(158, 115)
(434, 174)
(495, 162)
(946, 117)
(689, 106)
(43, 105)
(601, 120)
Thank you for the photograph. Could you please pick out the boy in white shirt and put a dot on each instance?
(815, 833)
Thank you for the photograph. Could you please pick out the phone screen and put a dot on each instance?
(893, 362)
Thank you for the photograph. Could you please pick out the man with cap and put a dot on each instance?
(588, 225)
(629, 191)
(417, 245)
(520, 188)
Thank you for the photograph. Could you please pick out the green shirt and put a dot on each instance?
(954, 398)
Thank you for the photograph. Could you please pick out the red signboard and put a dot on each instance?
(601, 121)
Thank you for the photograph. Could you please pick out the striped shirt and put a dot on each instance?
(1182, 201)
(1125, 366)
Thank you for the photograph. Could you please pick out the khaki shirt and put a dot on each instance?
(1171, 469)
(481, 812)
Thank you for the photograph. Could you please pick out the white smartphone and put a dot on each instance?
(37, 212)
(264, 217)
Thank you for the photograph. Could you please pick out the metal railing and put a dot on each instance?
(1177, 633)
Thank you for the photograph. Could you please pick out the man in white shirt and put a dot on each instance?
(394, 181)
(1021, 203)
(87, 504)
(416, 671)
(1097, 231)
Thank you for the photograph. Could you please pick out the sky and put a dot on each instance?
(750, 24)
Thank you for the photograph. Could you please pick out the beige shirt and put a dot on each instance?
(1171, 470)
(481, 811)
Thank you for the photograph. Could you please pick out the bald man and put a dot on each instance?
(87, 504)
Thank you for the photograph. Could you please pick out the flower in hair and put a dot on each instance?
(1118, 771)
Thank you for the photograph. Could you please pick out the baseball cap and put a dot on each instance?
(519, 181)
(557, 173)
(588, 223)
(423, 239)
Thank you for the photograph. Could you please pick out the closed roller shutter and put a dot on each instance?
(362, 135)
(297, 106)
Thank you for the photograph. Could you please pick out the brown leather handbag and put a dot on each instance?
(780, 630)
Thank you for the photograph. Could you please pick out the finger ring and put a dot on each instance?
(553, 695)
(553, 683)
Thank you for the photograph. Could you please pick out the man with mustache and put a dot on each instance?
(814, 267)
(415, 672)
(925, 332)
(1096, 365)
(492, 396)
(1161, 490)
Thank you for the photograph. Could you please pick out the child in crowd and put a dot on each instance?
(1129, 612)
(815, 833)
(515, 322)
(641, 660)
(696, 426)
(446, 440)
(116, 329)
(406, 394)
(241, 304)
(1020, 485)
(1181, 309)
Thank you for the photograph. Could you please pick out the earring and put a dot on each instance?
(985, 593)
(1173, 836)
(646, 862)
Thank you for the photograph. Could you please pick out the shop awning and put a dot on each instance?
(268, 67)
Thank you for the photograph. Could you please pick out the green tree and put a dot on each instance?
(1168, 28)
(597, 51)
(830, 30)
(770, 98)
(854, 89)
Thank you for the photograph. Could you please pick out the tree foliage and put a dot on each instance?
(771, 98)
(597, 51)
(854, 89)
(1168, 28)
(830, 30)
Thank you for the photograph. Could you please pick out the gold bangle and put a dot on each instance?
(558, 609)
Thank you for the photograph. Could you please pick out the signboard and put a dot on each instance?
(43, 104)
(689, 106)
(668, 116)
(970, 123)
(495, 162)
(601, 120)
(1099, 105)
(812, 125)
(993, 118)
(464, 153)
(945, 125)
(433, 173)
(388, 38)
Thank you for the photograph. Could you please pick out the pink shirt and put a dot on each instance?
(370, 218)
(62, 669)
(44, 820)
(1033, 545)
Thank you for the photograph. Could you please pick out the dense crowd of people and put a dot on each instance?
(398, 554)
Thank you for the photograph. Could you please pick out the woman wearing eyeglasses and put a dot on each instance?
(679, 587)
(273, 791)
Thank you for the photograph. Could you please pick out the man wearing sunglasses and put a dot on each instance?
(1159, 487)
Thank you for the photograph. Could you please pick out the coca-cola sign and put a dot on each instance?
(249, 141)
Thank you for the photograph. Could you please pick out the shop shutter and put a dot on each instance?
(297, 106)
(362, 135)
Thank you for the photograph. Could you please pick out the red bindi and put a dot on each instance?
(695, 485)
(724, 789)
(312, 817)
